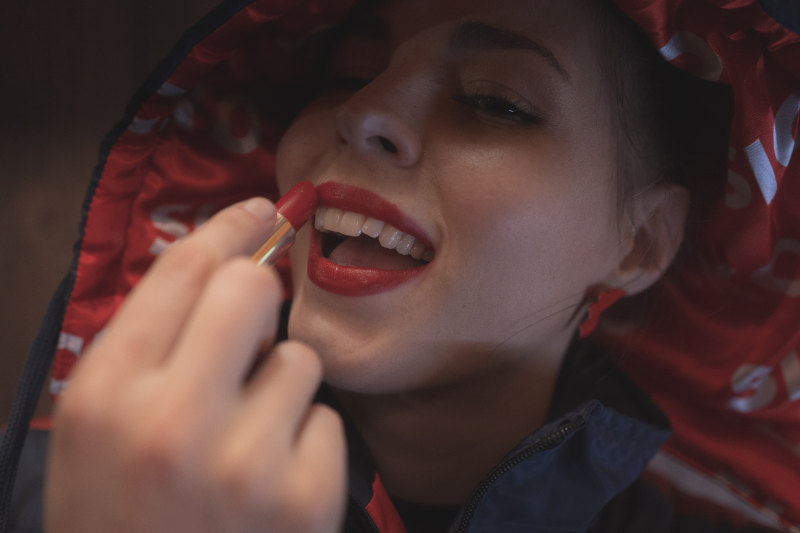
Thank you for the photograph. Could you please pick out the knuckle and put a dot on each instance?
(331, 423)
(162, 457)
(134, 343)
(240, 482)
(302, 360)
(164, 440)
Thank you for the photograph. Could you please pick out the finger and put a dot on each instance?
(147, 325)
(281, 391)
(236, 313)
(322, 428)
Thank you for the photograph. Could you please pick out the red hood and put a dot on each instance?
(721, 356)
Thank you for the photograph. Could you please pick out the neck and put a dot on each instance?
(435, 446)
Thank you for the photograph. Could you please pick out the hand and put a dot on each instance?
(160, 430)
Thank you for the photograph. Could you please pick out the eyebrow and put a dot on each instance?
(472, 35)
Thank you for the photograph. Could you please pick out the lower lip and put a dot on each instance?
(353, 281)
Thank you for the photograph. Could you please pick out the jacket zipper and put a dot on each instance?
(545, 443)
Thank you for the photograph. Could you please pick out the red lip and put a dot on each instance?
(352, 281)
(357, 281)
(358, 200)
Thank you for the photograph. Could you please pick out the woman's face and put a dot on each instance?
(480, 129)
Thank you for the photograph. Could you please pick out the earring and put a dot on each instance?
(604, 300)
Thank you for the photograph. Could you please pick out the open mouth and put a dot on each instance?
(356, 240)
(363, 244)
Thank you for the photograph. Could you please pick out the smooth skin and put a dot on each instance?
(161, 429)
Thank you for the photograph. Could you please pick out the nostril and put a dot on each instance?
(373, 131)
(387, 145)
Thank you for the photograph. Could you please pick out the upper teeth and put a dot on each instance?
(354, 224)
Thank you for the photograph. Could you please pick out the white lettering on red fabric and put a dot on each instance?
(684, 42)
(184, 115)
(170, 90)
(757, 387)
(163, 218)
(762, 169)
(142, 125)
(784, 118)
(231, 110)
(783, 145)
(71, 343)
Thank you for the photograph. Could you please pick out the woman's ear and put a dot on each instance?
(654, 237)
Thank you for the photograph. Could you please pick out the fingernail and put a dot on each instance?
(260, 207)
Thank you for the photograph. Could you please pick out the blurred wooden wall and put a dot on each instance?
(67, 70)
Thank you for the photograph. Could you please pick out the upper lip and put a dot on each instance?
(358, 200)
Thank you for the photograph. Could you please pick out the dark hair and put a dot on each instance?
(671, 126)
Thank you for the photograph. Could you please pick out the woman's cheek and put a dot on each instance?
(300, 149)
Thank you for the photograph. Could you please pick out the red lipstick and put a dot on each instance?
(294, 209)
(352, 280)
(358, 200)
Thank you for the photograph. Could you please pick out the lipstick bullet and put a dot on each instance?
(294, 209)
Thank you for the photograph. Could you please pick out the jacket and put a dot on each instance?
(601, 433)
(209, 102)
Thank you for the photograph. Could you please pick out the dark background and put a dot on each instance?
(67, 69)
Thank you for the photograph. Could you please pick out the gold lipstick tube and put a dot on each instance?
(277, 244)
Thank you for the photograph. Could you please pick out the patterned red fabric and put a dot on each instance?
(197, 144)
(722, 360)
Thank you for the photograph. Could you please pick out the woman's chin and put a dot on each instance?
(361, 377)
(346, 365)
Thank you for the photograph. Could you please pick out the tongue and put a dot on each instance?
(366, 252)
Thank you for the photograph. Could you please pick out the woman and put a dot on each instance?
(493, 138)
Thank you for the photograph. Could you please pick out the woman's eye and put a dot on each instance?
(499, 107)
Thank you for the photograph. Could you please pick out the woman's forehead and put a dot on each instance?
(563, 30)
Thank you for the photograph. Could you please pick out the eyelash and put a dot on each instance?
(499, 107)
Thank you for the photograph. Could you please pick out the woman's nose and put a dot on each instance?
(375, 124)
